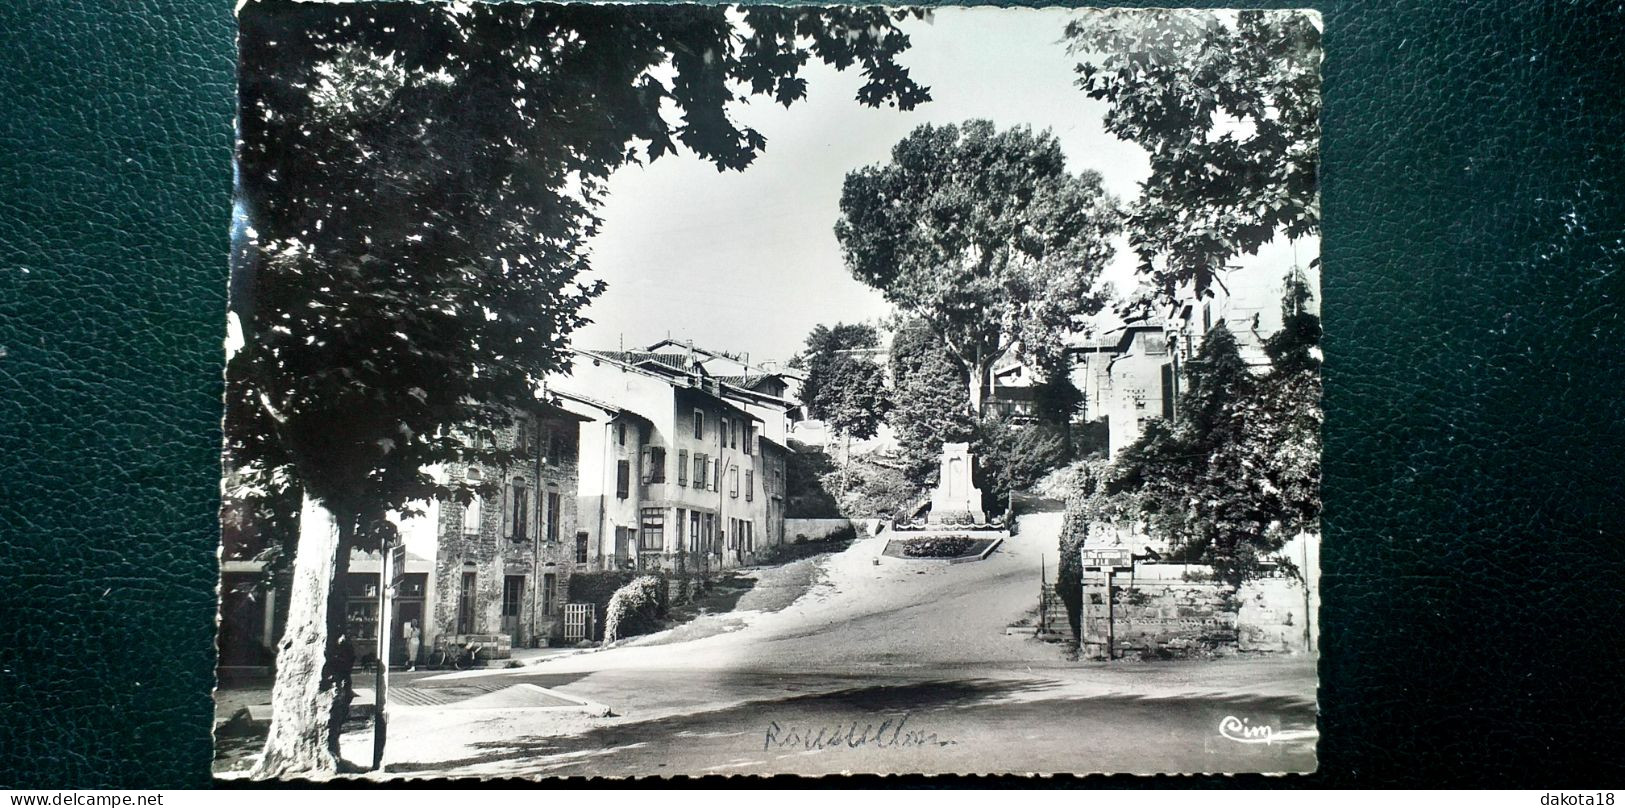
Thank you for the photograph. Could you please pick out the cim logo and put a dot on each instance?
(1242, 730)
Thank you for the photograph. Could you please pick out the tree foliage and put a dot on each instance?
(853, 398)
(982, 234)
(1237, 472)
(1228, 113)
(1013, 457)
(931, 401)
(824, 345)
(416, 183)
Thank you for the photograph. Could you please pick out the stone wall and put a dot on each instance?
(1176, 610)
(814, 529)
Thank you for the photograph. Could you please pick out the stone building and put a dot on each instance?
(502, 561)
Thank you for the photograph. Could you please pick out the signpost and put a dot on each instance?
(390, 574)
(1099, 564)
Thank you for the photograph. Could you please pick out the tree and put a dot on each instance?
(853, 401)
(824, 347)
(415, 187)
(1229, 115)
(930, 400)
(1013, 457)
(982, 234)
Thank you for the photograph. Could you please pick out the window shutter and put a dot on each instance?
(716, 474)
(507, 509)
(645, 473)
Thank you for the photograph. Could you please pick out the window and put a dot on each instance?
(623, 479)
(654, 464)
(699, 424)
(465, 604)
(521, 509)
(1207, 318)
(750, 438)
(550, 592)
(733, 434)
(552, 517)
(750, 484)
(677, 530)
(694, 530)
(652, 535)
(522, 442)
(733, 482)
(682, 467)
(620, 433)
(716, 475)
(1168, 392)
(513, 594)
(472, 514)
(581, 548)
(555, 447)
(750, 537)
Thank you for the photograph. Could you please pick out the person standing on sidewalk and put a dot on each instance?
(410, 633)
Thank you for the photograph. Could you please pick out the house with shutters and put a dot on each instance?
(680, 469)
(495, 567)
(502, 559)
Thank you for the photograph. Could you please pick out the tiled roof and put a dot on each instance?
(673, 361)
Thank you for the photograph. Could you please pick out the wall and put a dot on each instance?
(1167, 610)
(814, 529)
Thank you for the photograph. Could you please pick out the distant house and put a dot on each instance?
(1134, 373)
(681, 468)
(1127, 376)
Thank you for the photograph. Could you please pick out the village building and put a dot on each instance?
(681, 469)
(494, 568)
(503, 560)
(1133, 373)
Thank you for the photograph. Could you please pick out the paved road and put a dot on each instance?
(900, 666)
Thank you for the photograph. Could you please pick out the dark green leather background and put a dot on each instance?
(1474, 588)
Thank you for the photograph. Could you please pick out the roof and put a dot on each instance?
(670, 366)
(673, 361)
(612, 410)
(551, 410)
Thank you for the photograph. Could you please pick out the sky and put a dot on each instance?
(748, 261)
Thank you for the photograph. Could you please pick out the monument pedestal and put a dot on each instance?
(956, 498)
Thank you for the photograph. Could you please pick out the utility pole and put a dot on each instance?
(392, 567)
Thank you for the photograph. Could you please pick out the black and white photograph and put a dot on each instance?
(680, 390)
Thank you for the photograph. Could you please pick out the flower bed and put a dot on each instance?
(938, 547)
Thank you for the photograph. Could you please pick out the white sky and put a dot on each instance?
(748, 261)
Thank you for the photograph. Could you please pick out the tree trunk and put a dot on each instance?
(310, 698)
(980, 369)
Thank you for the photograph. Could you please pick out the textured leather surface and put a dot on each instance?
(1474, 554)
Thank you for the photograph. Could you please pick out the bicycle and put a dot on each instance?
(457, 657)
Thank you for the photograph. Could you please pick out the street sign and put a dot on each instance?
(397, 564)
(1108, 558)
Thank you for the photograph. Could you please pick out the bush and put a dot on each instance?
(598, 588)
(635, 609)
(872, 490)
(938, 547)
